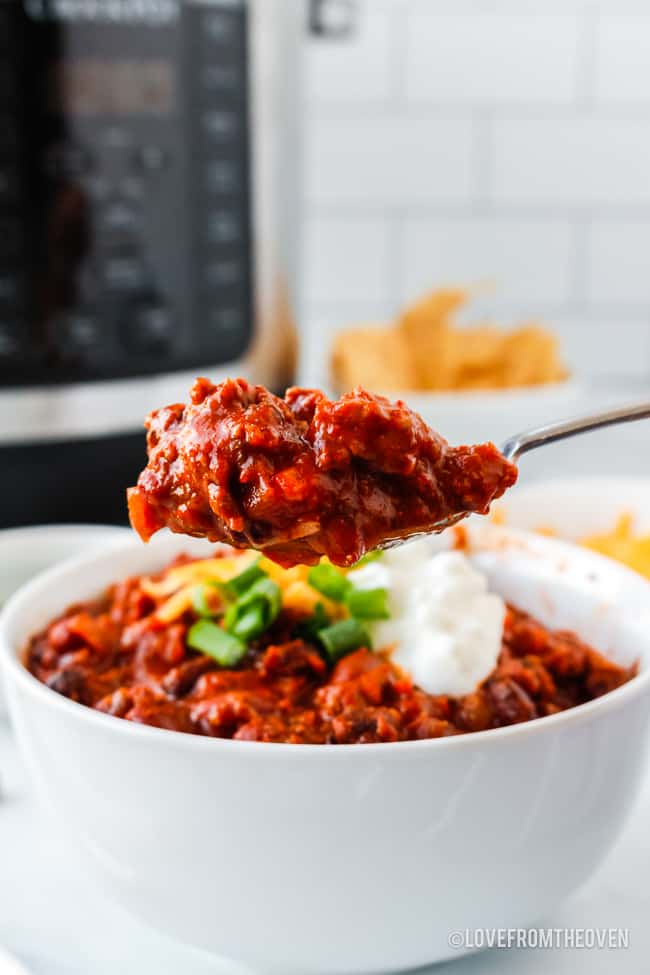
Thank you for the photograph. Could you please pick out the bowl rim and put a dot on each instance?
(14, 671)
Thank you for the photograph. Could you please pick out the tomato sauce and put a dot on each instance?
(305, 476)
(115, 655)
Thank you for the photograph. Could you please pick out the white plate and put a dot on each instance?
(9, 965)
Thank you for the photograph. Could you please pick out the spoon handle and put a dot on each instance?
(523, 442)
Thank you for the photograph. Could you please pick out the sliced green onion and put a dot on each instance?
(268, 591)
(211, 639)
(368, 557)
(344, 637)
(247, 622)
(368, 604)
(251, 623)
(240, 583)
(326, 579)
(255, 609)
(200, 602)
(309, 628)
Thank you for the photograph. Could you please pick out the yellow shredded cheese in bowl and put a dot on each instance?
(623, 545)
(179, 583)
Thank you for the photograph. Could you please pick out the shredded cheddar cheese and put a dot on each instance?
(179, 584)
(176, 605)
(623, 545)
(218, 569)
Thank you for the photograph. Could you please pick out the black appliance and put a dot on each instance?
(148, 190)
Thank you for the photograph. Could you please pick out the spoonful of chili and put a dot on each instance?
(304, 476)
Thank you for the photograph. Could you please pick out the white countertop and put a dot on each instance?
(57, 923)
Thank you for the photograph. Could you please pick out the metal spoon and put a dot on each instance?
(521, 443)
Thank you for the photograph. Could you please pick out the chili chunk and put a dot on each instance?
(116, 655)
(305, 476)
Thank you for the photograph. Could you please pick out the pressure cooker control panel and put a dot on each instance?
(124, 188)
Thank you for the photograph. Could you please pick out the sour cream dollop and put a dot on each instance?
(445, 628)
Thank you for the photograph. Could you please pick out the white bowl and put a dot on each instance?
(24, 552)
(304, 859)
(575, 507)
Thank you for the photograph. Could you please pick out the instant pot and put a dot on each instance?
(149, 159)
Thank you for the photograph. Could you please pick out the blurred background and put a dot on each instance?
(459, 142)
(446, 201)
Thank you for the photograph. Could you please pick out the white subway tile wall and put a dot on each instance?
(622, 56)
(619, 263)
(449, 60)
(347, 257)
(503, 144)
(522, 261)
(390, 160)
(576, 162)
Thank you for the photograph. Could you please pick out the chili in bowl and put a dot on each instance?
(234, 646)
(358, 854)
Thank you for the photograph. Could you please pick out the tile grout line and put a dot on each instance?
(587, 60)
(548, 212)
(397, 60)
(481, 165)
(633, 314)
(396, 259)
(610, 109)
(579, 266)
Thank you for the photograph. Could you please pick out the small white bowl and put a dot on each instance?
(308, 859)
